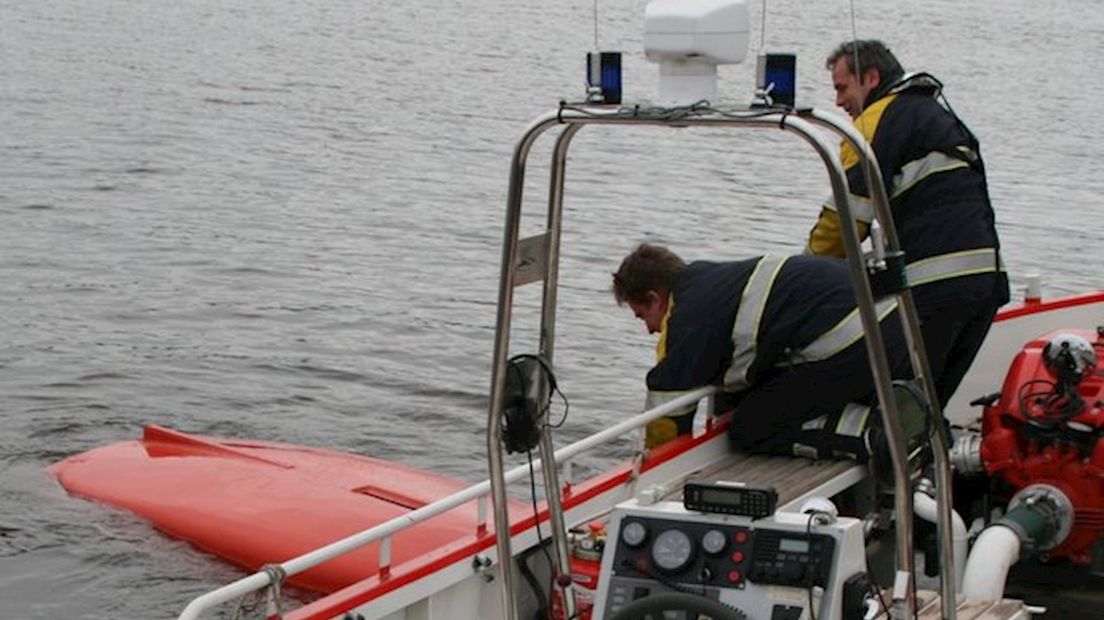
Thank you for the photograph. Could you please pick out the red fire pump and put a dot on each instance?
(1044, 437)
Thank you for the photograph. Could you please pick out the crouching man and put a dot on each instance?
(781, 335)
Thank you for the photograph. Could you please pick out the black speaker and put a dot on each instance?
(523, 409)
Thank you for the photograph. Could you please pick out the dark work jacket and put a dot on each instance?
(940, 204)
(808, 297)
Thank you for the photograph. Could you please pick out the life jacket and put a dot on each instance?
(731, 324)
(935, 180)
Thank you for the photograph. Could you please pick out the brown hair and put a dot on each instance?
(870, 54)
(648, 268)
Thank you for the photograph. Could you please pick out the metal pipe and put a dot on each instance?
(875, 344)
(927, 509)
(501, 350)
(556, 522)
(919, 357)
(903, 603)
(547, 350)
(996, 550)
(555, 228)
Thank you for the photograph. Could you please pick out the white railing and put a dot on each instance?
(478, 492)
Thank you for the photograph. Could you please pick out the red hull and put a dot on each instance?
(254, 503)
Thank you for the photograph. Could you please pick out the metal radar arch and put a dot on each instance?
(537, 259)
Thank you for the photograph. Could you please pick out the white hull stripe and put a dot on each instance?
(745, 329)
(953, 265)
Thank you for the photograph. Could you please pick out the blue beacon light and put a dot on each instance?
(604, 77)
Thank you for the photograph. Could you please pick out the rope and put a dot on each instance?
(274, 591)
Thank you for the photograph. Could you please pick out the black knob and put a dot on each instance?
(794, 573)
(706, 573)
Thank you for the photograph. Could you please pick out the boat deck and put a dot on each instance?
(794, 478)
(930, 607)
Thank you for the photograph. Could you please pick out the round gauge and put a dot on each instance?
(634, 533)
(672, 550)
(714, 542)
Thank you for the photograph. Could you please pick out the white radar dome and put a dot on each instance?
(689, 38)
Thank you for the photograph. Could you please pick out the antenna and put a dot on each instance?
(854, 31)
(595, 25)
(763, 29)
(855, 49)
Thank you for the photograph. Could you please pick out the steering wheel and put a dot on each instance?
(694, 605)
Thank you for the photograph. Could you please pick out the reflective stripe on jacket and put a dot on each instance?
(935, 181)
(732, 323)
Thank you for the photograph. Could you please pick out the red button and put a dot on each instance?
(737, 556)
(734, 576)
(740, 537)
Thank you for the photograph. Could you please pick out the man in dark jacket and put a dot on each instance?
(782, 335)
(935, 179)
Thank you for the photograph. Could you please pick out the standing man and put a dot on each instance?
(935, 180)
(782, 335)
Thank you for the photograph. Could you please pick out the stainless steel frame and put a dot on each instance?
(573, 119)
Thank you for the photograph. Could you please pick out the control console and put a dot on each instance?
(768, 568)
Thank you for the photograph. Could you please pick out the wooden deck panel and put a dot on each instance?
(790, 476)
(930, 607)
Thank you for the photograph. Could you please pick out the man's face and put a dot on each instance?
(651, 310)
(850, 94)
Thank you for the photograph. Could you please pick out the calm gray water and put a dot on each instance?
(281, 220)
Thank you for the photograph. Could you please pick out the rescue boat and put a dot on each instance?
(690, 528)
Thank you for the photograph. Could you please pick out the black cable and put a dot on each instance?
(1049, 398)
(878, 592)
(662, 113)
(915, 600)
(918, 396)
(536, 522)
(567, 407)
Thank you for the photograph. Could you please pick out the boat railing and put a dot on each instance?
(479, 493)
(537, 258)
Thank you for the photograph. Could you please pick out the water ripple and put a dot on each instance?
(285, 224)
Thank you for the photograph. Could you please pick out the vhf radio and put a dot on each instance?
(730, 498)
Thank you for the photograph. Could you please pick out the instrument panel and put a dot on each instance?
(767, 568)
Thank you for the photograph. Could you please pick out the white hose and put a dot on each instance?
(925, 507)
(996, 550)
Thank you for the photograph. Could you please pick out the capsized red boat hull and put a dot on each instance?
(254, 503)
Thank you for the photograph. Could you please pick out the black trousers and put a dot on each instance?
(952, 336)
(769, 416)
